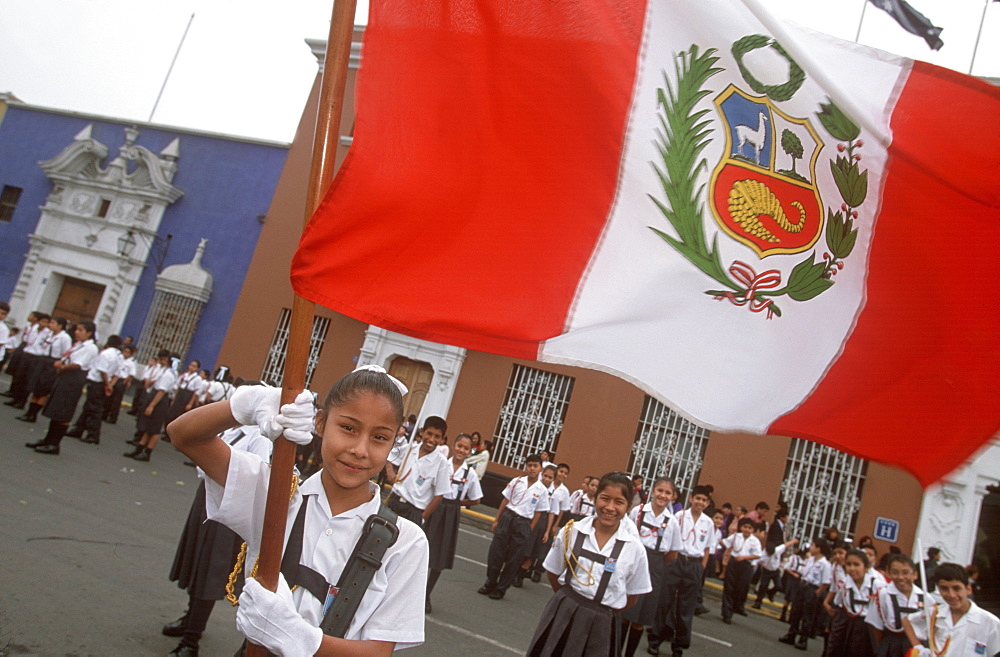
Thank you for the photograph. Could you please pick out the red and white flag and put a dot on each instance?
(767, 228)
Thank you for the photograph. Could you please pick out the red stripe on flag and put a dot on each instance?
(917, 382)
(517, 169)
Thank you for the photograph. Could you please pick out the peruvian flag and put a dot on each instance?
(767, 228)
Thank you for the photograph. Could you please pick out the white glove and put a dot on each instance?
(270, 620)
(259, 405)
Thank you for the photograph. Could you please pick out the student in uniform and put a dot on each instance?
(824, 625)
(660, 535)
(771, 574)
(206, 553)
(186, 388)
(813, 584)
(42, 373)
(791, 566)
(743, 550)
(327, 514)
(101, 379)
(895, 601)
(524, 500)
(959, 626)
(126, 375)
(682, 578)
(596, 567)
(154, 412)
(219, 388)
(480, 460)
(557, 516)
(576, 507)
(539, 535)
(34, 335)
(442, 526)
(71, 372)
(849, 635)
(422, 475)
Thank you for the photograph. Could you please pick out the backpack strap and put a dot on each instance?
(379, 534)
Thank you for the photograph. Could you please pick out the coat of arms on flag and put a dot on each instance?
(763, 191)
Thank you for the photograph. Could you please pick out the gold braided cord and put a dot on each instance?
(571, 560)
(242, 556)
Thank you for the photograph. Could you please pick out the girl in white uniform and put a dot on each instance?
(849, 636)
(597, 567)
(328, 514)
(658, 531)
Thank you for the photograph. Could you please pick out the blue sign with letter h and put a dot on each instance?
(886, 530)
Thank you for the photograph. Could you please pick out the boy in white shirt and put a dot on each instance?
(895, 601)
(524, 500)
(743, 550)
(421, 476)
(813, 584)
(101, 379)
(959, 626)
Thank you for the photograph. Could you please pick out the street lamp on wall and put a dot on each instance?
(126, 244)
(158, 247)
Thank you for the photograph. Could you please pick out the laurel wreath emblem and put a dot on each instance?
(682, 136)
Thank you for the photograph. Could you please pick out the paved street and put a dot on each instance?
(87, 539)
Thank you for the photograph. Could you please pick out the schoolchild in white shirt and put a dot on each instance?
(743, 549)
(825, 622)
(154, 413)
(539, 535)
(32, 346)
(187, 386)
(328, 514)
(894, 602)
(576, 500)
(682, 578)
(71, 372)
(771, 571)
(219, 388)
(660, 535)
(596, 567)
(558, 515)
(957, 627)
(101, 379)
(854, 593)
(126, 374)
(791, 567)
(42, 374)
(422, 475)
(524, 500)
(814, 582)
(442, 526)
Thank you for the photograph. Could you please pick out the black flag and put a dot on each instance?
(912, 21)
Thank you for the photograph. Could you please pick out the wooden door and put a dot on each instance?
(78, 300)
(417, 376)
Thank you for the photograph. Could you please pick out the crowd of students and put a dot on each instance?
(621, 562)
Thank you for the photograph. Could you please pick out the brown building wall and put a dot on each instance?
(895, 494)
(745, 469)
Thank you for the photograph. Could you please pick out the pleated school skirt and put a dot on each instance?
(155, 421)
(42, 375)
(205, 554)
(574, 625)
(442, 534)
(66, 392)
(857, 640)
(643, 612)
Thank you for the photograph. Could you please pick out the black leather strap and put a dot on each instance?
(597, 558)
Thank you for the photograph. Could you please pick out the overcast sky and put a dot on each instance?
(245, 69)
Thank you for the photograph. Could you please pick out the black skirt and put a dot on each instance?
(574, 625)
(643, 612)
(41, 375)
(65, 395)
(153, 423)
(442, 534)
(177, 407)
(205, 554)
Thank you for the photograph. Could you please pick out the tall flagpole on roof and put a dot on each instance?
(170, 69)
(331, 100)
(864, 6)
(979, 35)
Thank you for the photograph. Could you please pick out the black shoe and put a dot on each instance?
(37, 443)
(184, 650)
(135, 442)
(91, 439)
(6, 394)
(788, 638)
(756, 605)
(176, 628)
(536, 576)
(485, 589)
(138, 450)
(26, 418)
(143, 455)
(14, 404)
(727, 621)
(48, 449)
(519, 577)
(75, 433)
(496, 594)
(741, 612)
(802, 643)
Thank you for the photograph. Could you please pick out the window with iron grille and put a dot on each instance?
(170, 324)
(8, 202)
(274, 365)
(667, 445)
(532, 415)
(822, 487)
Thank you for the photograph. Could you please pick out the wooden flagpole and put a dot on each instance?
(331, 101)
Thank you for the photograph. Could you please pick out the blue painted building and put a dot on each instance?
(147, 230)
